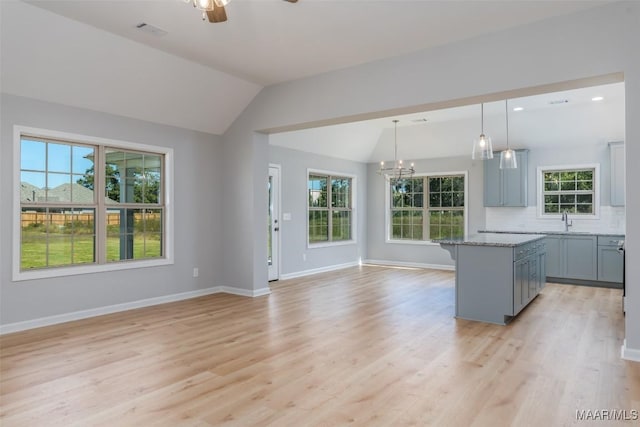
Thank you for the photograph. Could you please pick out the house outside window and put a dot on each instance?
(572, 189)
(427, 207)
(86, 205)
(330, 208)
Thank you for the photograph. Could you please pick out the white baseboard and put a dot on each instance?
(99, 311)
(410, 264)
(629, 353)
(245, 292)
(318, 270)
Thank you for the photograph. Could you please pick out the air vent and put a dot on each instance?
(148, 28)
(559, 101)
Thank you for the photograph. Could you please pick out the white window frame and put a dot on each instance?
(167, 259)
(596, 190)
(387, 208)
(354, 212)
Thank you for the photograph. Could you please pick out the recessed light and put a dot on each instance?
(597, 98)
(518, 109)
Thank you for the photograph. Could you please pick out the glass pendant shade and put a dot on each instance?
(508, 156)
(508, 159)
(482, 148)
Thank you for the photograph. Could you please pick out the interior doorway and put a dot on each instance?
(273, 223)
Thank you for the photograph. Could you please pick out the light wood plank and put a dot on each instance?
(366, 346)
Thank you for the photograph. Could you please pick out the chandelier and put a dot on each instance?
(398, 170)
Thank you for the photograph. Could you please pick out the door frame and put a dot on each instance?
(276, 251)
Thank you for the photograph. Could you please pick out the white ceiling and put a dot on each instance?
(271, 41)
(201, 76)
(450, 132)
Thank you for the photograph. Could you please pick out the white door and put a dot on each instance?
(273, 223)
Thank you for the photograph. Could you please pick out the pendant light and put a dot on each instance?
(482, 148)
(508, 156)
(398, 170)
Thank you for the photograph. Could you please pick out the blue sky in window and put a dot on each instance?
(65, 163)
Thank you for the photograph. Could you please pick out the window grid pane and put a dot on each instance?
(569, 190)
(436, 213)
(59, 208)
(54, 237)
(329, 206)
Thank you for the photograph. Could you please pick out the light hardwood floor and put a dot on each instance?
(362, 346)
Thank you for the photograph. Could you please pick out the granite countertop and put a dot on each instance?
(493, 239)
(560, 233)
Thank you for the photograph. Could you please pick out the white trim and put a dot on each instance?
(354, 215)
(18, 275)
(245, 292)
(409, 264)
(387, 208)
(109, 309)
(279, 210)
(627, 353)
(319, 270)
(412, 242)
(596, 191)
(327, 244)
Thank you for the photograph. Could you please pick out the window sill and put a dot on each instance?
(330, 244)
(87, 269)
(412, 242)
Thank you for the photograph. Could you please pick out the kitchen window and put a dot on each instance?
(84, 205)
(330, 208)
(427, 207)
(568, 189)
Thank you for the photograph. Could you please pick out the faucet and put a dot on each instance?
(567, 222)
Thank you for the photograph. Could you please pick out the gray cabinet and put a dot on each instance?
(529, 275)
(506, 187)
(572, 257)
(555, 246)
(610, 260)
(616, 154)
(495, 283)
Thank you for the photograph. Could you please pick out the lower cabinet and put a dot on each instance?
(610, 260)
(572, 257)
(589, 258)
(529, 275)
(495, 282)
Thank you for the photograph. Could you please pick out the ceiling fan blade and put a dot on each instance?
(218, 14)
(292, 1)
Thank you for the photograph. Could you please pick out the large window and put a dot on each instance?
(427, 207)
(330, 204)
(85, 203)
(571, 190)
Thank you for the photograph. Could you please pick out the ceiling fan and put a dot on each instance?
(213, 10)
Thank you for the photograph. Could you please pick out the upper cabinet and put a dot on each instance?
(506, 187)
(616, 153)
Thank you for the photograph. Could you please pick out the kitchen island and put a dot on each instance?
(497, 274)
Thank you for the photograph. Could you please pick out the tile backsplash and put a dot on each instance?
(611, 221)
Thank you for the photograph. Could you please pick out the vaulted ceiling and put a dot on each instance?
(201, 76)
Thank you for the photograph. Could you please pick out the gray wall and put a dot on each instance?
(294, 165)
(432, 254)
(556, 50)
(197, 215)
